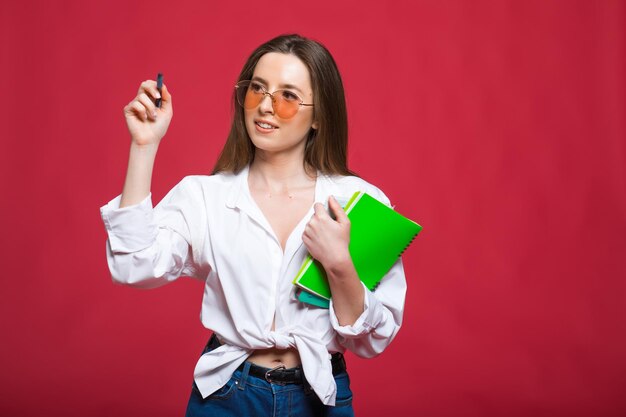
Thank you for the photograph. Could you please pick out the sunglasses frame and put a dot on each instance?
(246, 83)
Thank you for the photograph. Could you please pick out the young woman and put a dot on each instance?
(245, 231)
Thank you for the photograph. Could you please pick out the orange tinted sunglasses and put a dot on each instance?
(285, 102)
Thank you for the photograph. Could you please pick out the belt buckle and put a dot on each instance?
(268, 376)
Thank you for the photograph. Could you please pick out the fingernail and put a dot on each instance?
(158, 95)
(154, 114)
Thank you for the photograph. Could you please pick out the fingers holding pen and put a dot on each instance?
(144, 104)
(166, 99)
(149, 87)
(146, 122)
(149, 106)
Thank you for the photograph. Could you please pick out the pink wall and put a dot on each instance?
(499, 126)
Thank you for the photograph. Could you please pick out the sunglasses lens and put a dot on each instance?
(246, 96)
(252, 99)
(285, 109)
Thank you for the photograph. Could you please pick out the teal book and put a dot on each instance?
(307, 297)
(378, 237)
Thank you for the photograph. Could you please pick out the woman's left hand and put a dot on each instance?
(326, 239)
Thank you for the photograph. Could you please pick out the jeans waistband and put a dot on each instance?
(280, 375)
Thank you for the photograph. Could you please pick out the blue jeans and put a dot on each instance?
(246, 395)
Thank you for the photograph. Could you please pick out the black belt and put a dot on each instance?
(280, 374)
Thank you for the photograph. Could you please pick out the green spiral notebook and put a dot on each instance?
(378, 236)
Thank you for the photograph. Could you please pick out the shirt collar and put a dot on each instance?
(237, 192)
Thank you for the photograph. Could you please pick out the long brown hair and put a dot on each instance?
(326, 147)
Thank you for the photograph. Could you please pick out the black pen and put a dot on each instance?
(159, 87)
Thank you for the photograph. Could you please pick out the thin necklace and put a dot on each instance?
(288, 194)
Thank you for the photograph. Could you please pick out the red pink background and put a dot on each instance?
(497, 125)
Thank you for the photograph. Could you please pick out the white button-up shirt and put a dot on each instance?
(210, 228)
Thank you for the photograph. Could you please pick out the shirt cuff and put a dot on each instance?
(368, 320)
(129, 228)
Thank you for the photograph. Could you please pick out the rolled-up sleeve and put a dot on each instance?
(148, 247)
(129, 228)
(381, 319)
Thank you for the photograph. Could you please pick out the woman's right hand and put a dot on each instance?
(146, 123)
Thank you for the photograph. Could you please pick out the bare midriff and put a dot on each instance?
(273, 357)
